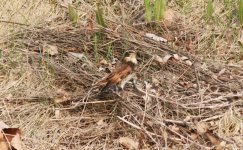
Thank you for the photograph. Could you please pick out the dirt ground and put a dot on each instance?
(187, 92)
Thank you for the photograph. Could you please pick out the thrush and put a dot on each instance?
(126, 68)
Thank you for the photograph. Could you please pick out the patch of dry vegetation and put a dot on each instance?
(172, 106)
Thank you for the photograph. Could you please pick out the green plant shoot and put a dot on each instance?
(148, 10)
(240, 11)
(99, 17)
(159, 9)
(73, 14)
(209, 10)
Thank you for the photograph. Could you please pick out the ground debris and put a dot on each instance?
(179, 96)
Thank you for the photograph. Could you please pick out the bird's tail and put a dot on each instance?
(105, 88)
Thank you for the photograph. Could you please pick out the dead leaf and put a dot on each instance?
(194, 136)
(176, 56)
(188, 62)
(10, 139)
(201, 127)
(77, 55)
(184, 58)
(166, 58)
(57, 114)
(169, 17)
(158, 59)
(103, 62)
(128, 143)
(61, 96)
(50, 49)
(155, 37)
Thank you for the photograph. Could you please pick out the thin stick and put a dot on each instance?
(11, 22)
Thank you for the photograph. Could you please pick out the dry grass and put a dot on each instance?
(161, 113)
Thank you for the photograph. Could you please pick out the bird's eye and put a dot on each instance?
(127, 54)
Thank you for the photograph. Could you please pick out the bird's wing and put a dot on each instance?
(119, 74)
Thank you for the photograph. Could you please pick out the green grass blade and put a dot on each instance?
(99, 17)
(96, 50)
(240, 11)
(148, 10)
(159, 9)
(109, 52)
(209, 10)
(73, 14)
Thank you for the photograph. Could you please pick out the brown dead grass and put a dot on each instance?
(162, 111)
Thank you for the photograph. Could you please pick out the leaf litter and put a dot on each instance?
(171, 103)
(149, 102)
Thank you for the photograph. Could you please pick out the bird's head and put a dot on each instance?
(130, 57)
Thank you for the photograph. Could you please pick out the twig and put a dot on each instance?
(216, 106)
(212, 118)
(131, 124)
(230, 95)
(92, 102)
(11, 22)
(160, 122)
(198, 83)
(154, 96)
(182, 123)
(139, 128)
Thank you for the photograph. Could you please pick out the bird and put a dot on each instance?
(126, 68)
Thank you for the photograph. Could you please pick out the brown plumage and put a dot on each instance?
(128, 65)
